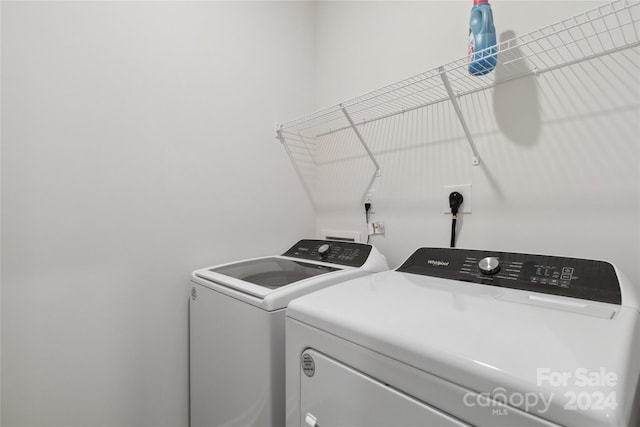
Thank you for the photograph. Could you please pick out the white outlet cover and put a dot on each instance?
(465, 190)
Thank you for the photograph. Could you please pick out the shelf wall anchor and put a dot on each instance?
(475, 160)
(278, 132)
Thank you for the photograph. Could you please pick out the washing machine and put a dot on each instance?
(459, 337)
(237, 321)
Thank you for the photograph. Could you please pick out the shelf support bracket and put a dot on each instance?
(307, 190)
(475, 160)
(377, 172)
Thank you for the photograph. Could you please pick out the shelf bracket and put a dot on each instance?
(295, 165)
(475, 160)
(377, 172)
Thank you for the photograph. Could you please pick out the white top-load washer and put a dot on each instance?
(237, 320)
(467, 337)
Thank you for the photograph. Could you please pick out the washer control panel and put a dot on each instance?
(336, 252)
(571, 277)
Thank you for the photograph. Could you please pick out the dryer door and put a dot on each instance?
(333, 394)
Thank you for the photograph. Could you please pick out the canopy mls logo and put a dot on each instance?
(579, 390)
(438, 263)
(500, 401)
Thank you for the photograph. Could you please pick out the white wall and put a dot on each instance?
(137, 145)
(0, 216)
(559, 172)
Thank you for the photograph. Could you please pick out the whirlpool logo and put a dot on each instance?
(436, 263)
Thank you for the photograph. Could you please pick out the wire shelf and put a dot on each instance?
(601, 31)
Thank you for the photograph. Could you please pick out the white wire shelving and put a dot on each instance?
(610, 28)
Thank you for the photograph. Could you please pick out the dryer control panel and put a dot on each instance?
(336, 252)
(571, 277)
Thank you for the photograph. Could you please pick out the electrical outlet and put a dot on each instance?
(368, 198)
(465, 190)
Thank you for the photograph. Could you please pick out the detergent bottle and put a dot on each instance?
(482, 35)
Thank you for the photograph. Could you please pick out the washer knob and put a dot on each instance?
(323, 250)
(489, 265)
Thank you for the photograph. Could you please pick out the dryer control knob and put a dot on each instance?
(323, 250)
(489, 265)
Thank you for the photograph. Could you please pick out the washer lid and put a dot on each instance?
(261, 277)
(272, 272)
(271, 282)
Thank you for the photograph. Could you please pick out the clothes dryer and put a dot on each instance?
(468, 338)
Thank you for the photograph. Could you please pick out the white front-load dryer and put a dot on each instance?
(468, 338)
(237, 320)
